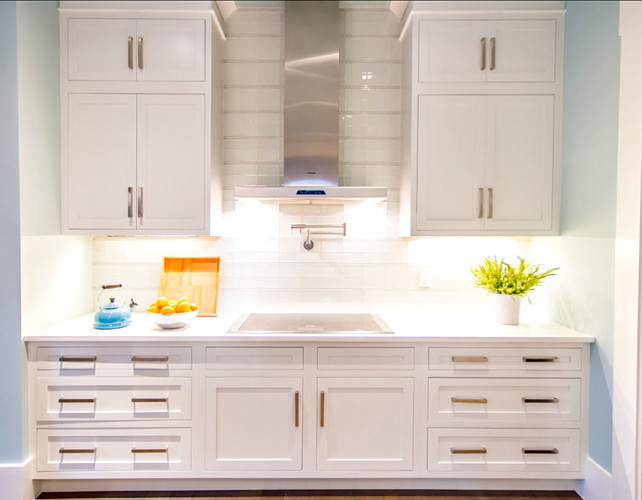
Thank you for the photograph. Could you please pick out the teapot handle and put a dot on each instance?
(101, 295)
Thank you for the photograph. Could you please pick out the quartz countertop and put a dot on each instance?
(431, 326)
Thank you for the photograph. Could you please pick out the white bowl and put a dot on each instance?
(174, 320)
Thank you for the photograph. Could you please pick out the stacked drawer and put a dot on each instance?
(113, 408)
(498, 410)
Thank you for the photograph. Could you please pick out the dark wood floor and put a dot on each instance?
(320, 495)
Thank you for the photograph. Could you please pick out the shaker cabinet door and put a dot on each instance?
(100, 179)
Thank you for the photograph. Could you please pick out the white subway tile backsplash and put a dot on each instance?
(239, 150)
(252, 74)
(372, 48)
(371, 23)
(254, 22)
(370, 150)
(254, 48)
(365, 74)
(358, 125)
(253, 125)
(252, 99)
(371, 100)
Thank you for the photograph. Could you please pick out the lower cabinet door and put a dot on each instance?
(503, 452)
(364, 424)
(113, 449)
(254, 423)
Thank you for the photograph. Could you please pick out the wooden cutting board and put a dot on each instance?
(194, 277)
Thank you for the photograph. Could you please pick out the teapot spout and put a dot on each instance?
(132, 305)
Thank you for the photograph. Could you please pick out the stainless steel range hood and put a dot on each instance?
(311, 111)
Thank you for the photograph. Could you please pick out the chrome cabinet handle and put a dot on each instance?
(76, 400)
(150, 400)
(481, 401)
(64, 451)
(130, 202)
(149, 450)
(480, 211)
(490, 203)
(296, 408)
(546, 451)
(150, 359)
(139, 208)
(540, 400)
(493, 44)
(68, 359)
(140, 52)
(472, 451)
(470, 359)
(483, 53)
(538, 359)
(130, 52)
(322, 415)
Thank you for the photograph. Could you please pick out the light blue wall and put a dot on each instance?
(581, 296)
(11, 351)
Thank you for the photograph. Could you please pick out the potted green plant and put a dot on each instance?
(507, 284)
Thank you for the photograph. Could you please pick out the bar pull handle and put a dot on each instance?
(322, 415)
(470, 359)
(471, 451)
(296, 408)
(480, 401)
(149, 450)
(140, 52)
(493, 45)
(540, 400)
(130, 52)
(69, 359)
(540, 359)
(76, 400)
(140, 205)
(483, 53)
(130, 202)
(545, 451)
(150, 359)
(150, 400)
(490, 203)
(480, 211)
(111, 287)
(66, 451)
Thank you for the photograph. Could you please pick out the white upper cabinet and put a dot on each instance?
(486, 51)
(142, 50)
(485, 162)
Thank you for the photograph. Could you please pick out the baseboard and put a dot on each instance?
(16, 481)
(597, 485)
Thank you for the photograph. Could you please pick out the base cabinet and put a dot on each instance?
(412, 410)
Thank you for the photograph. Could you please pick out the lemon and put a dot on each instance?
(162, 302)
(193, 307)
(167, 310)
(183, 306)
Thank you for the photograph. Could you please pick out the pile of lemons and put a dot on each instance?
(164, 306)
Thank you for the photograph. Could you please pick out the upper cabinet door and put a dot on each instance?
(450, 162)
(101, 49)
(99, 182)
(172, 190)
(487, 51)
(172, 50)
(452, 51)
(520, 162)
(522, 51)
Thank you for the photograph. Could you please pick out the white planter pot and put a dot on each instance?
(505, 308)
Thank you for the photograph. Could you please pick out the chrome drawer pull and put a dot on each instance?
(150, 400)
(542, 400)
(470, 359)
(76, 400)
(149, 450)
(474, 451)
(481, 401)
(531, 451)
(64, 451)
(69, 359)
(150, 359)
(540, 359)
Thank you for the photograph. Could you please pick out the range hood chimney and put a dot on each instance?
(311, 111)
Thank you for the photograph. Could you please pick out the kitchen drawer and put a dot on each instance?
(504, 450)
(123, 361)
(525, 359)
(254, 358)
(70, 398)
(453, 401)
(113, 449)
(366, 358)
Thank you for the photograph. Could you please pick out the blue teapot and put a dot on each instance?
(113, 314)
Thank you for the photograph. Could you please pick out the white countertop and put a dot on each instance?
(434, 326)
